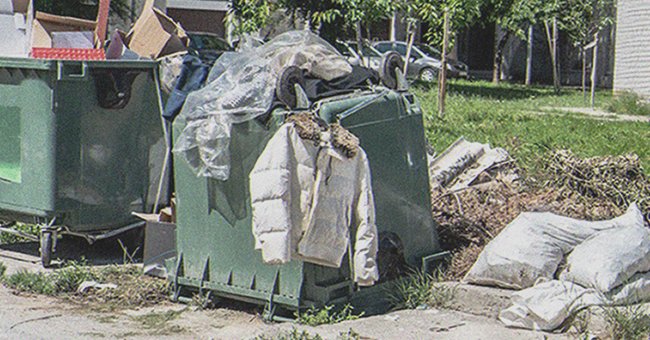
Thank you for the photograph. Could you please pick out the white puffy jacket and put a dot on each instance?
(305, 198)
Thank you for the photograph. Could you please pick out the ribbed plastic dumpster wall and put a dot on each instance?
(214, 238)
(78, 141)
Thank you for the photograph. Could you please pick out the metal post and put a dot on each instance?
(442, 84)
(529, 56)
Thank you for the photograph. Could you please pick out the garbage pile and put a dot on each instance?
(617, 179)
(563, 265)
(469, 218)
(34, 34)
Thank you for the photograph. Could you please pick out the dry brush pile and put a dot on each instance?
(584, 188)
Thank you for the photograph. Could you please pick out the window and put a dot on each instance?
(383, 47)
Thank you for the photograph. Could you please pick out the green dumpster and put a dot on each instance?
(215, 245)
(78, 140)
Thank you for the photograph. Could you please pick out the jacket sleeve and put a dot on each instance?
(270, 199)
(366, 272)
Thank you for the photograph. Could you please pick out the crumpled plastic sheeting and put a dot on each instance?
(547, 305)
(241, 87)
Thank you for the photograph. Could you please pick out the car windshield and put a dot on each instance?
(430, 51)
(368, 51)
(203, 41)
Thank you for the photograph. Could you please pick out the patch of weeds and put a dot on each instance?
(68, 278)
(3, 269)
(134, 289)
(326, 315)
(629, 103)
(26, 281)
(201, 301)
(349, 335)
(628, 322)
(580, 324)
(294, 334)
(421, 289)
(156, 319)
(30, 229)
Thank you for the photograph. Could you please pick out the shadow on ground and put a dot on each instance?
(124, 248)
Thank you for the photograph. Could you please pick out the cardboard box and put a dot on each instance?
(16, 26)
(45, 24)
(159, 244)
(156, 35)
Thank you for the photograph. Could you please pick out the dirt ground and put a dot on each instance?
(472, 315)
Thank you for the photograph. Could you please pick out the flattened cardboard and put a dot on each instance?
(45, 24)
(155, 35)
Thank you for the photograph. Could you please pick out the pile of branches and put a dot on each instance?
(618, 179)
(588, 189)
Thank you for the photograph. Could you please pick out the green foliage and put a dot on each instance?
(31, 282)
(580, 19)
(628, 323)
(85, 9)
(3, 270)
(421, 289)
(508, 116)
(462, 13)
(68, 278)
(326, 315)
(294, 334)
(30, 229)
(249, 16)
(629, 103)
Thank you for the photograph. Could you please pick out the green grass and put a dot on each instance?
(629, 103)
(504, 116)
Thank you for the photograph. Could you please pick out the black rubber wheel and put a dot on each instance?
(389, 62)
(285, 88)
(428, 74)
(46, 248)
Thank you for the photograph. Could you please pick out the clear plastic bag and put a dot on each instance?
(241, 87)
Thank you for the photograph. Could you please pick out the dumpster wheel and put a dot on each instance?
(389, 62)
(46, 248)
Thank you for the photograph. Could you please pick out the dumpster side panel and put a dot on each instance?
(105, 144)
(214, 235)
(27, 156)
(391, 132)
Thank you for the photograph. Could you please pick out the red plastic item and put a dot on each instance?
(68, 53)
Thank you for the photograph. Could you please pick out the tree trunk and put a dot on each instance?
(360, 43)
(529, 56)
(551, 37)
(500, 44)
(594, 68)
(410, 34)
(393, 27)
(442, 83)
(583, 49)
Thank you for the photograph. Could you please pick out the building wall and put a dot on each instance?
(199, 20)
(632, 56)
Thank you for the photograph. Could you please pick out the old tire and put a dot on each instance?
(389, 62)
(46, 248)
(285, 88)
(428, 74)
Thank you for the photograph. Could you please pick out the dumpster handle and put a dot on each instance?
(62, 75)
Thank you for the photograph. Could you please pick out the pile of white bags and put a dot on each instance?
(608, 263)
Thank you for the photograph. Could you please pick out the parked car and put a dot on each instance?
(425, 60)
(371, 57)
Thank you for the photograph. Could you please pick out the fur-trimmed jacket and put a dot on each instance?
(307, 195)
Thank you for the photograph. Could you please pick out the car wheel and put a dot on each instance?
(428, 74)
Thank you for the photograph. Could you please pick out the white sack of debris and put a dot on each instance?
(533, 245)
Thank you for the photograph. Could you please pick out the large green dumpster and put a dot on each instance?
(215, 245)
(77, 144)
